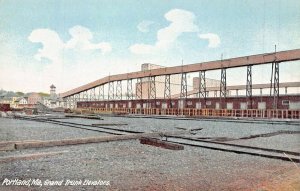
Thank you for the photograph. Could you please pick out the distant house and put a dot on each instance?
(6, 100)
(21, 102)
(12, 101)
(47, 102)
(34, 98)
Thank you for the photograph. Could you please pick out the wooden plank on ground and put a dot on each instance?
(7, 146)
(84, 116)
(109, 124)
(87, 140)
(159, 143)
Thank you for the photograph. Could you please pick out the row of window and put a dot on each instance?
(243, 105)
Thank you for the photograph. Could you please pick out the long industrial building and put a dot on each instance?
(160, 88)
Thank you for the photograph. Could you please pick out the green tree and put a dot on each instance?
(19, 94)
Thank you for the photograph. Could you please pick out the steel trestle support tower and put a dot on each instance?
(249, 86)
(183, 89)
(129, 94)
(119, 90)
(111, 91)
(275, 83)
(202, 87)
(167, 90)
(101, 92)
(223, 87)
(139, 88)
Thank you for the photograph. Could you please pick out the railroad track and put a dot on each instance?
(188, 141)
(67, 124)
(238, 120)
(239, 149)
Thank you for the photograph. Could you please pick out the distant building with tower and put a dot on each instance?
(53, 100)
(53, 92)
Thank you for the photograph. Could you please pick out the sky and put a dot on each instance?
(69, 43)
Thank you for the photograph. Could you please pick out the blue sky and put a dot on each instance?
(70, 43)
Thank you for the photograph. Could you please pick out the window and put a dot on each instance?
(145, 105)
(180, 104)
(164, 105)
(230, 105)
(243, 105)
(261, 105)
(208, 103)
(217, 105)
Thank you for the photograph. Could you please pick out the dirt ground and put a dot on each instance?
(289, 181)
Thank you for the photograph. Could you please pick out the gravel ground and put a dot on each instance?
(16, 130)
(289, 142)
(11, 129)
(129, 165)
(210, 128)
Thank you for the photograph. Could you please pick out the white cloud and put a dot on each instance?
(80, 40)
(66, 61)
(213, 39)
(51, 42)
(53, 47)
(105, 47)
(144, 26)
(181, 21)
